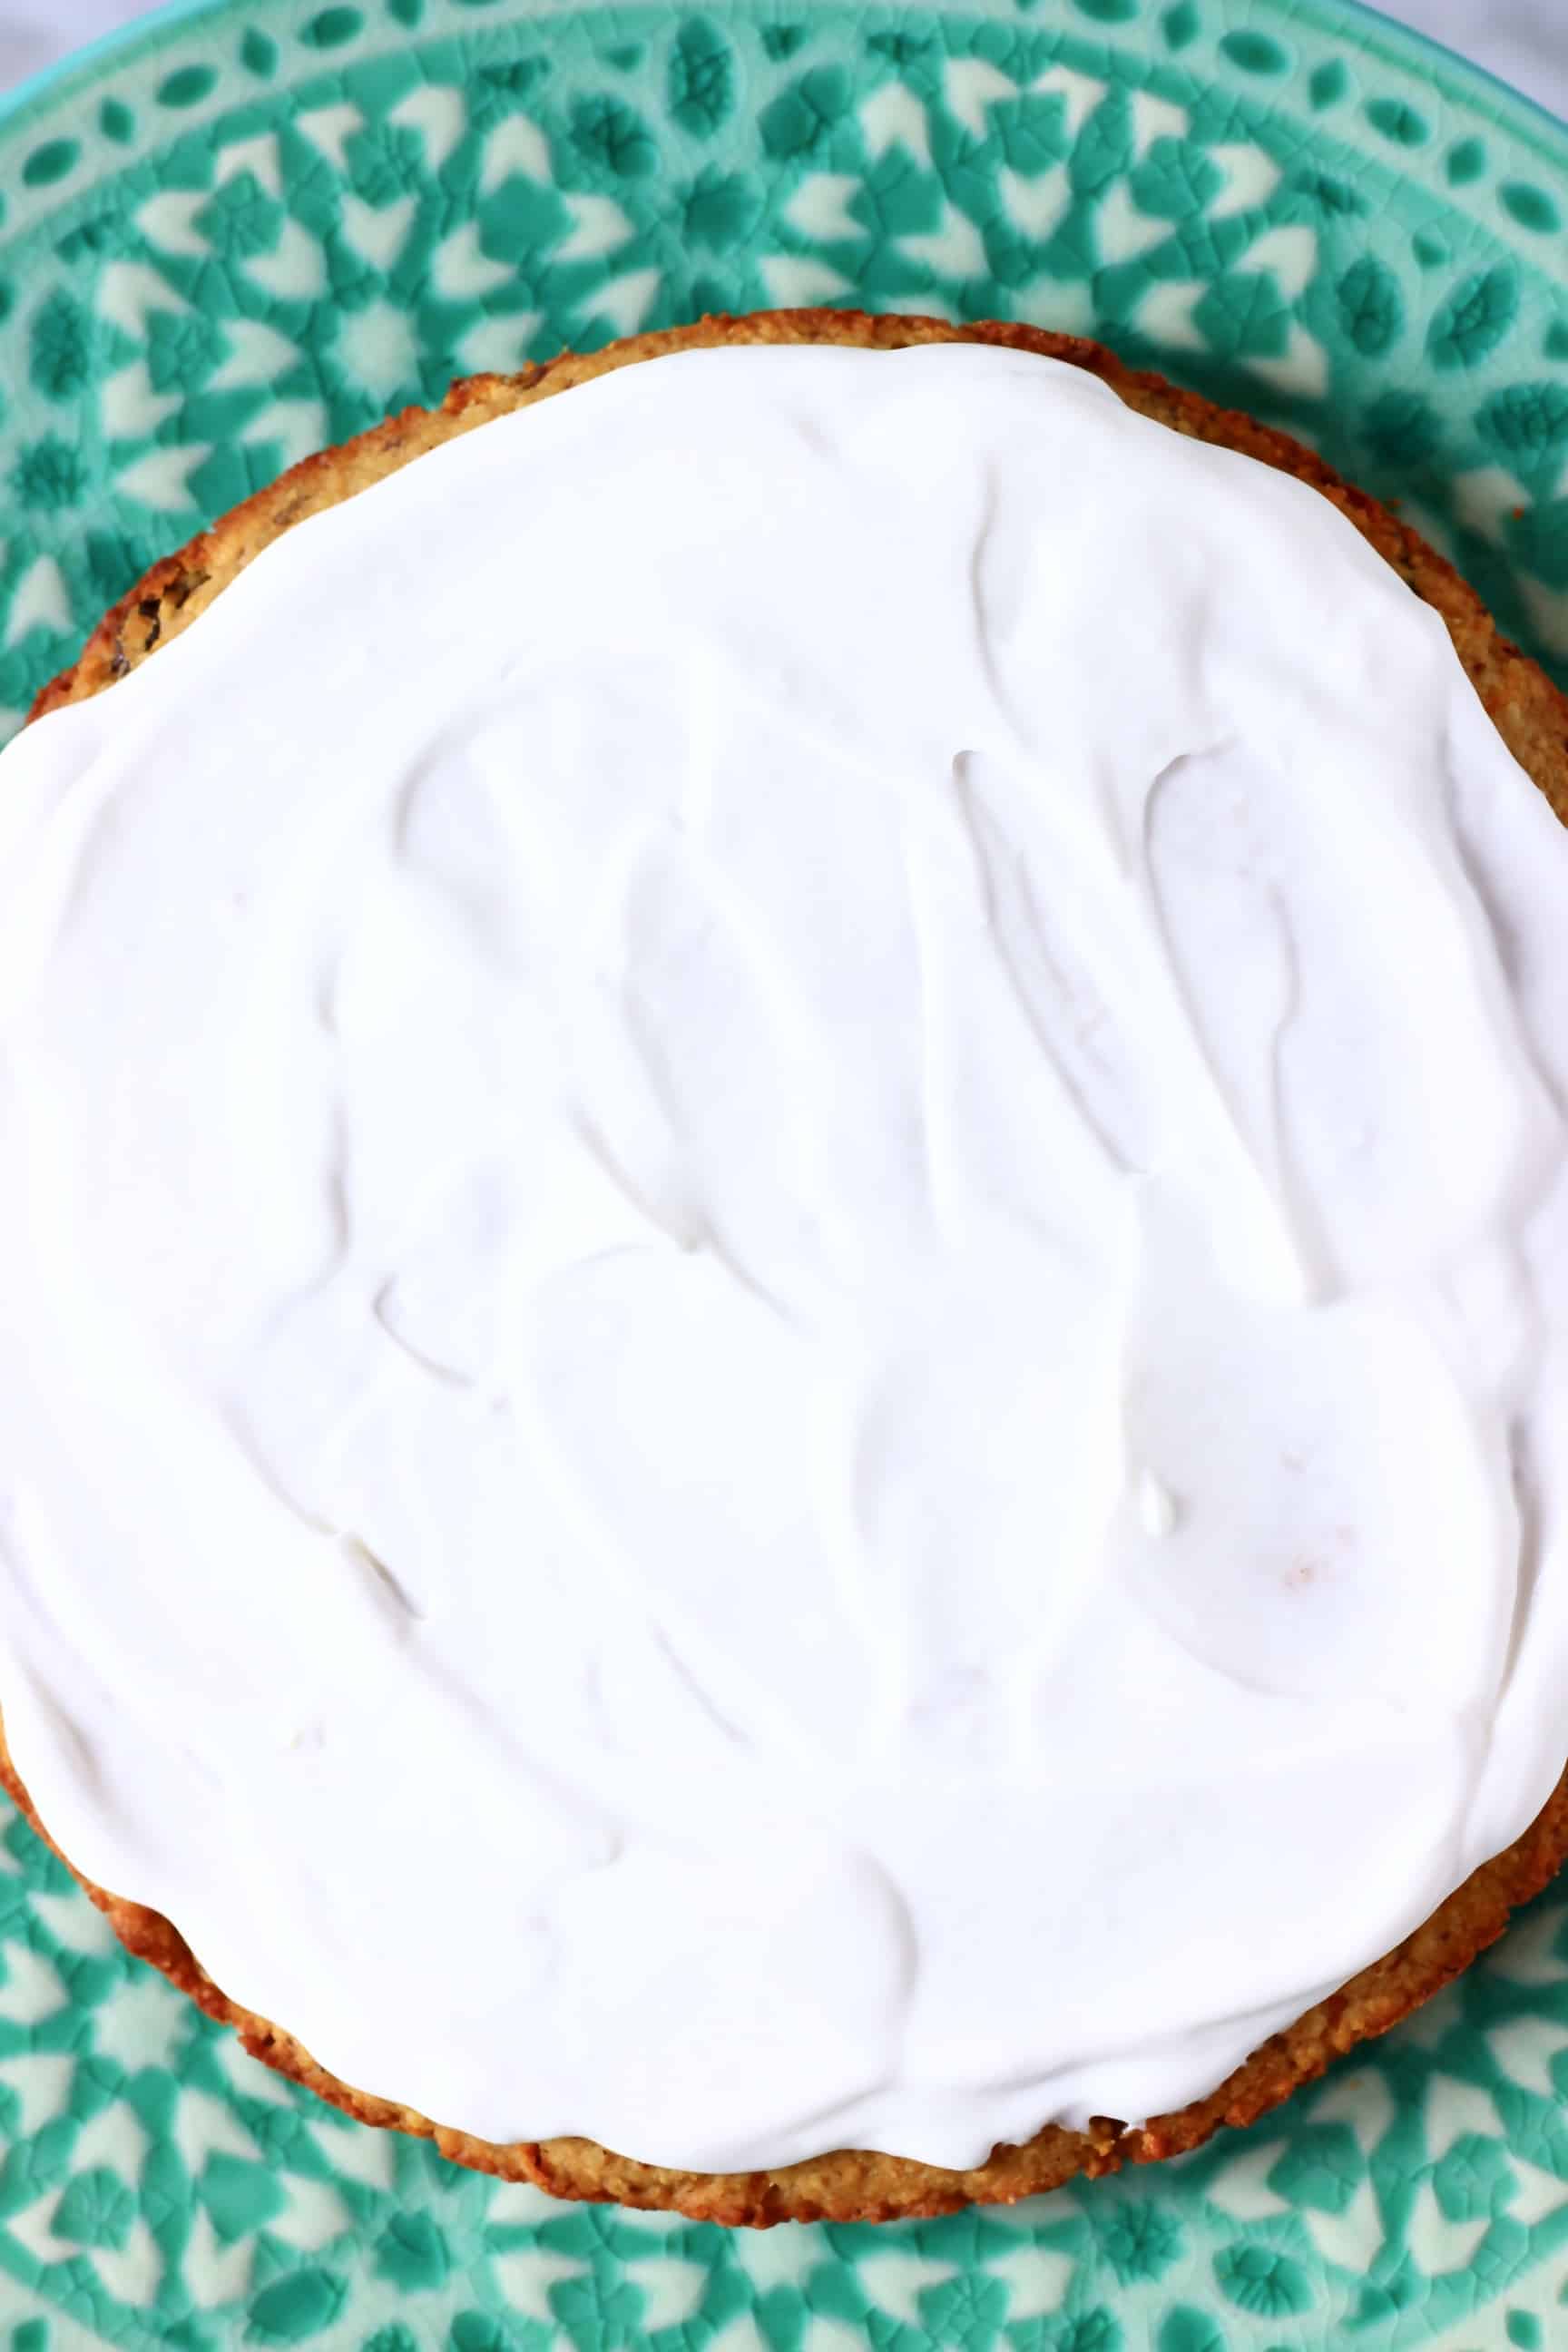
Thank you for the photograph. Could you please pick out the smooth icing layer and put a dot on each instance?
(785, 1267)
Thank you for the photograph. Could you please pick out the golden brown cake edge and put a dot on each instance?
(1530, 713)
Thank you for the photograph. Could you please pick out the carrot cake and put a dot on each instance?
(782, 1358)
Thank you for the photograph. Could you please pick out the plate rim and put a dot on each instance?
(1401, 47)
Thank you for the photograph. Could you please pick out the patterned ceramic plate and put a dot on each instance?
(249, 229)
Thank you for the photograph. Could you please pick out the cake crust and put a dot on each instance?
(1530, 714)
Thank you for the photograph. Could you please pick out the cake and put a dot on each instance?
(881, 979)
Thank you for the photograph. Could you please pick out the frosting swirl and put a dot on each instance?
(781, 1363)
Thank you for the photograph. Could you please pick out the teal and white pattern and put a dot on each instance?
(258, 228)
(255, 228)
(159, 2187)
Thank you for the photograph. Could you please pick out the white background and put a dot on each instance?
(1525, 41)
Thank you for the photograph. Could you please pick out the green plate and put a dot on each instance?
(245, 230)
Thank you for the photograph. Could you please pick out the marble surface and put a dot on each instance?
(1524, 41)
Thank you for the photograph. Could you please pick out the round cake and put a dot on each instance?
(782, 1359)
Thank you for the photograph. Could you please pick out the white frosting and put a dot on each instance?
(782, 1342)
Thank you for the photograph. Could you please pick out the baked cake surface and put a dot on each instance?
(1532, 719)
